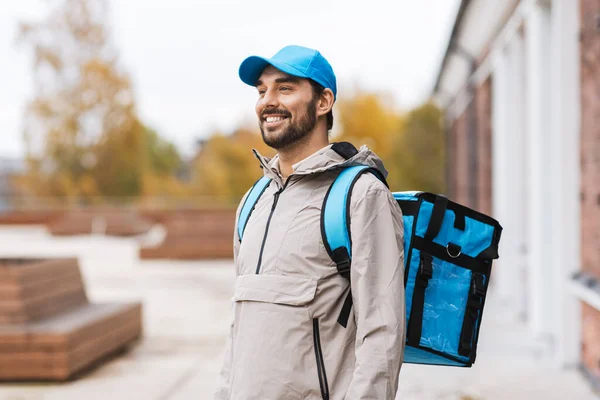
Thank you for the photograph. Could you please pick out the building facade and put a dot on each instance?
(520, 83)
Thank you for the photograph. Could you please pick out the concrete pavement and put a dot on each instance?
(186, 316)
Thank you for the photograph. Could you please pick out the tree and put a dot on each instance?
(163, 157)
(225, 168)
(83, 137)
(420, 151)
(368, 118)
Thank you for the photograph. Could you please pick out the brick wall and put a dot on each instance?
(458, 161)
(484, 147)
(590, 135)
(590, 172)
(470, 155)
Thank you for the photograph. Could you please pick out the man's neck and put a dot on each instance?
(292, 155)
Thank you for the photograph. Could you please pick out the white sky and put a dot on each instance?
(183, 55)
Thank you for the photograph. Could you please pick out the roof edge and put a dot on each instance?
(455, 29)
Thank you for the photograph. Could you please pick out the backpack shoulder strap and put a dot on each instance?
(255, 193)
(335, 224)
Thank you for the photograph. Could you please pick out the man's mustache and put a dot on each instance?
(276, 112)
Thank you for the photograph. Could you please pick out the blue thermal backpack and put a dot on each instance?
(448, 251)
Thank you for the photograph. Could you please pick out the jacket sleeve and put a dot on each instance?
(377, 284)
(224, 379)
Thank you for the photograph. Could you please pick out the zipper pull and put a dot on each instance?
(276, 198)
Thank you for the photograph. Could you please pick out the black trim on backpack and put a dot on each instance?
(462, 211)
(437, 217)
(475, 303)
(469, 335)
(408, 207)
(345, 149)
(411, 244)
(415, 323)
(345, 311)
(342, 261)
(459, 221)
(465, 363)
(446, 254)
(491, 253)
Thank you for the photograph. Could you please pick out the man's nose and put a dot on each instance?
(269, 99)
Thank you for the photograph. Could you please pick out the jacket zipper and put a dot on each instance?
(262, 246)
(320, 362)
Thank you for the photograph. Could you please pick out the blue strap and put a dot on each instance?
(335, 225)
(335, 210)
(335, 219)
(255, 192)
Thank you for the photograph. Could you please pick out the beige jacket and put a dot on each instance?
(285, 341)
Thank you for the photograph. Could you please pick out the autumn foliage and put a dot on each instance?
(87, 145)
(84, 140)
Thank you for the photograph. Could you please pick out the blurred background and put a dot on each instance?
(125, 147)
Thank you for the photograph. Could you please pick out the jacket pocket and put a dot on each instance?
(320, 362)
(273, 337)
(277, 289)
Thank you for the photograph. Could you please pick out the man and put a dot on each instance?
(285, 341)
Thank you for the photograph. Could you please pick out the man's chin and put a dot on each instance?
(273, 134)
(276, 139)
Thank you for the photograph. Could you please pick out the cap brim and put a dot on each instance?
(253, 66)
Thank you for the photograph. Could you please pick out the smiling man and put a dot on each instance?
(301, 329)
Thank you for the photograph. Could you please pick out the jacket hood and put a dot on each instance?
(334, 155)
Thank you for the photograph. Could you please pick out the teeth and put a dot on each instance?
(274, 119)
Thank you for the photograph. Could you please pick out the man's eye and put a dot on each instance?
(261, 92)
(284, 88)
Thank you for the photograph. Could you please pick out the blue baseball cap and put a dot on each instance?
(293, 60)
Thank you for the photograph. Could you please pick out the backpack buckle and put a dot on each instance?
(342, 260)
(477, 285)
(425, 269)
(343, 267)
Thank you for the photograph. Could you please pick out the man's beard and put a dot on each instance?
(294, 132)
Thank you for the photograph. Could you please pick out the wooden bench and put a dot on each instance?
(204, 234)
(110, 222)
(29, 217)
(48, 328)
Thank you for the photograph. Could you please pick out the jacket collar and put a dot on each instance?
(322, 160)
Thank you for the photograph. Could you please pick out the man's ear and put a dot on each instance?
(325, 103)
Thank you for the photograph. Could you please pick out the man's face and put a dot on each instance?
(286, 108)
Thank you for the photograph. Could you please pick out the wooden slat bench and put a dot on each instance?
(29, 217)
(108, 222)
(206, 234)
(48, 329)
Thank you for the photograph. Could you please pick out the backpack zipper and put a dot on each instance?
(320, 363)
